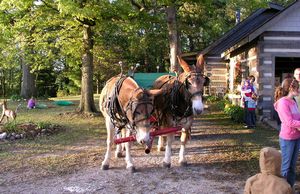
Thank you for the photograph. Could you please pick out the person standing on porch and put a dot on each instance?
(249, 97)
(252, 81)
(289, 136)
(251, 78)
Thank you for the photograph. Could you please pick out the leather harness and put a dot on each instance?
(180, 104)
(119, 116)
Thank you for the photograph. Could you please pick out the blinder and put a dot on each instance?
(197, 75)
(134, 104)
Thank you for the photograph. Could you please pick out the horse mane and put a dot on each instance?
(172, 102)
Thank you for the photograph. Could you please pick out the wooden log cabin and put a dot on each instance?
(266, 45)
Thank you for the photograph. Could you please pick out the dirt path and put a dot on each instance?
(200, 176)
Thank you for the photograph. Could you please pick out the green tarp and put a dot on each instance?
(146, 80)
(63, 103)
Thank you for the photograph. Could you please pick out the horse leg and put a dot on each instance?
(160, 144)
(168, 152)
(128, 159)
(120, 147)
(183, 139)
(109, 142)
(2, 117)
(123, 132)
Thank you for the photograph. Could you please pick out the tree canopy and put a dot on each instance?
(48, 43)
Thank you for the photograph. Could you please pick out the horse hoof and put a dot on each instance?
(120, 155)
(183, 164)
(166, 165)
(161, 149)
(105, 167)
(131, 169)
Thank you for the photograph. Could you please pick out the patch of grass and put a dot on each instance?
(80, 131)
(43, 125)
(12, 127)
(241, 147)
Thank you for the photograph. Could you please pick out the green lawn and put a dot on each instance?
(62, 147)
(234, 148)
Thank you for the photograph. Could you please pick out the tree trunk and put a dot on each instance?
(28, 88)
(98, 85)
(2, 82)
(87, 104)
(173, 37)
(192, 45)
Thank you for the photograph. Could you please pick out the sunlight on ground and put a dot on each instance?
(79, 130)
(77, 98)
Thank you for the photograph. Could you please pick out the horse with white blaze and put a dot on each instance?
(181, 100)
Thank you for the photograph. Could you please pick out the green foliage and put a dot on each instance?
(15, 127)
(216, 104)
(226, 97)
(211, 99)
(12, 127)
(48, 37)
(61, 93)
(43, 125)
(221, 104)
(236, 113)
(16, 97)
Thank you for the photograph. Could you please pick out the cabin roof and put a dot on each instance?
(242, 30)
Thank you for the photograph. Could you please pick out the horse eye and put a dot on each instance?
(138, 113)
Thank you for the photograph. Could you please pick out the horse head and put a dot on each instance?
(138, 111)
(194, 81)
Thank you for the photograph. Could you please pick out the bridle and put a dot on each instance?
(133, 105)
(186, 83)
(179, 88)
(127, 117)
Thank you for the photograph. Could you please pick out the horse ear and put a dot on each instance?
(155, 92)
(186, 67)
(200, 63)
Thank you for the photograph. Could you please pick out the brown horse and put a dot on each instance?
(126, 106)
(182, 100)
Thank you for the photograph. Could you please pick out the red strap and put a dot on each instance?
(152, 119)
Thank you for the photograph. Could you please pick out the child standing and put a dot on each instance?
(249, 98)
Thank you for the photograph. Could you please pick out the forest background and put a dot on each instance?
(54, 48)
